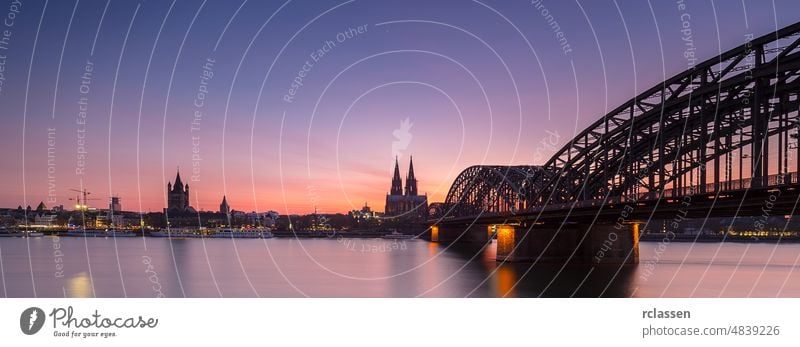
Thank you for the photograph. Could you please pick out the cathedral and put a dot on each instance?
(178, 196)
(406, 203)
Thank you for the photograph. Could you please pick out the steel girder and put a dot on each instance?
(676, 135)
(655, 141)
(480, 189)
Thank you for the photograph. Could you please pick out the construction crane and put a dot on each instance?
(82, 204)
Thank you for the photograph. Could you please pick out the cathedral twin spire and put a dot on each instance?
(397, 183)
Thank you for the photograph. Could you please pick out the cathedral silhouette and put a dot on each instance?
(406, 204)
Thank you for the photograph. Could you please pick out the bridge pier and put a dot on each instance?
(614, 244)
(470, 233)
(551, 243)
(602, 244)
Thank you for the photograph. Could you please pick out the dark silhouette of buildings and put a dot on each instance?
(178, 196)
(406, 204)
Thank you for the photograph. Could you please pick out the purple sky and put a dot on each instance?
(479, 83)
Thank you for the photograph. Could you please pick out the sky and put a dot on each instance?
(296, 105)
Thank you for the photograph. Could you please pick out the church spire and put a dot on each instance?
(397, 183)
(224, 208)
(411, 169)
(178, 183)
(411, 181)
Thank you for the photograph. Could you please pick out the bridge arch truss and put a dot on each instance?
(727, 123)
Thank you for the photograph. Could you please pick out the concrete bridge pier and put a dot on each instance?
(603, 243)
(466, 233)
(614, 243)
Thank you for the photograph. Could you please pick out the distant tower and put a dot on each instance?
(366, 208)
(397, 183)
(177, 195)
(115, 205)
(411, 181)
(223, 207)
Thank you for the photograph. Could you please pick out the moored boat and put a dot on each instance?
(398, 236)
(257, 233)
(81, 232)
(119, 233)
(176, 233)
(9, 233)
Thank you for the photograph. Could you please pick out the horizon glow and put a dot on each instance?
(295, 106)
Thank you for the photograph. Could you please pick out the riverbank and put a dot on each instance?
(306, 234)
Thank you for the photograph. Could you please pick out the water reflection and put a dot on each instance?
(506, 279)
(326, 268)
(542, 279)
(79, 286)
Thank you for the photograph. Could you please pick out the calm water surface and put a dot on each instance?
(150, 267)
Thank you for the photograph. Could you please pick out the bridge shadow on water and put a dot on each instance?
(528, 280)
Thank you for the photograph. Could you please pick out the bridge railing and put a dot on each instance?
(774, 180)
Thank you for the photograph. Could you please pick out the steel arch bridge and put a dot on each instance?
(726, 124)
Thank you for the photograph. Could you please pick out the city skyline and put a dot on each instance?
(312, 112)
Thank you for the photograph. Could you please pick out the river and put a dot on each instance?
(285, 267)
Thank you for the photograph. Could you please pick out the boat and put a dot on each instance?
(258, 233)
(81, 232)
(176, 233)
(398, 236)
(119, 233)
(20, 233)
(9, 233)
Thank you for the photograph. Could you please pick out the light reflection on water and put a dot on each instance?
(79, 286)
(327, 268)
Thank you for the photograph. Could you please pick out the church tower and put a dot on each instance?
(177, 195)
(397, 183)
(223, 207)
(411, 181)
